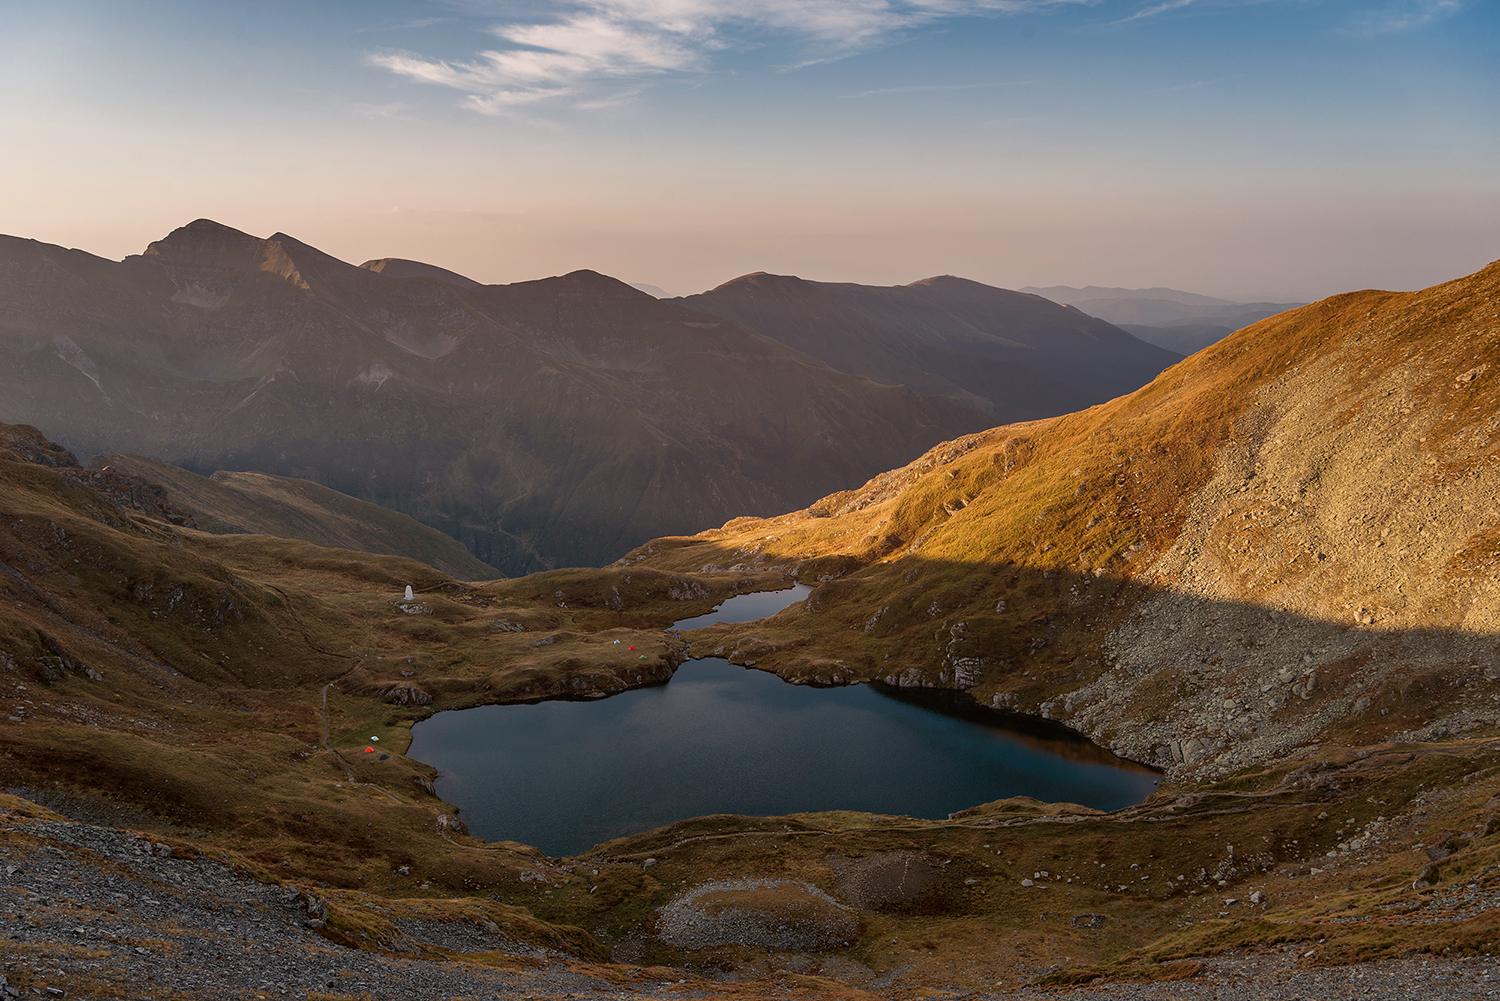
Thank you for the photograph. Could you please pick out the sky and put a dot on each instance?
(1276, 150)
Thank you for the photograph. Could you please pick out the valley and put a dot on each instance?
(1178, 321)
(1268, 573)
(541, 424)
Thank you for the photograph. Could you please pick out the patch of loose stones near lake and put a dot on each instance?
(89, 911)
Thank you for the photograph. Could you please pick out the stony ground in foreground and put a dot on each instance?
(98, 912)
(1274, 977)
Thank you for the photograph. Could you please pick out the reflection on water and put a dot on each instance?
(747, 607)
(1045, 735)
(721, 739)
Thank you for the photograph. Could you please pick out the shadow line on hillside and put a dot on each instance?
(1165, 675)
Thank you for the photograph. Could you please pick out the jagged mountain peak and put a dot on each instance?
(286, 250)
(202, 240)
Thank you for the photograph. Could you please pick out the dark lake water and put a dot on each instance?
(747, 607)
(565, 776)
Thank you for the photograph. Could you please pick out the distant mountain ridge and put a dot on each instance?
(1073, 296)
(1019, 356)
(544, 423)
(1179, 321)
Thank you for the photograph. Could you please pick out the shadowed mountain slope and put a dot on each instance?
(1165, 313)
(290, 508)
(1018, 355)
(399, 267)
(1291, 536)
(549, 422)
(1193, 335)
(1095, 293)
(1184, 338)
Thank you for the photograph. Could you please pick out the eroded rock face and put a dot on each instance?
(768, 913)
(25, 443)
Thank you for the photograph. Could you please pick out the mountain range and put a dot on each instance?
(544, 423)
(1013, 355)
(1183, 322)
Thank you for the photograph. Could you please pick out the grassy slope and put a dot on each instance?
(300, 509)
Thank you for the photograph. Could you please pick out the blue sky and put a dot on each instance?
(1281, 148)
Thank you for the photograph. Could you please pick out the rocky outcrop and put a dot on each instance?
(23, 443)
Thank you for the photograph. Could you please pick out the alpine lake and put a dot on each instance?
(567, 775)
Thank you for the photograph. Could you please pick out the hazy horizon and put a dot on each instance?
(1277, 150)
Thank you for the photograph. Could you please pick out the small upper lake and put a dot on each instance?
(565, 776)
(747, 607)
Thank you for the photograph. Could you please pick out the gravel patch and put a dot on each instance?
(1456, 903)
(1275, 976)
(769, 913)
(884, 879)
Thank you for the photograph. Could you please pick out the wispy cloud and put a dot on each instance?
(1399, 15)
(408, 25)
(377, 111)
(1405, 16)
(603, 42)
(1155, 9)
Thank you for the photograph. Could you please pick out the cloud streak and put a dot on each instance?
(1155, 9)
(1400, 17)
(595, 43)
